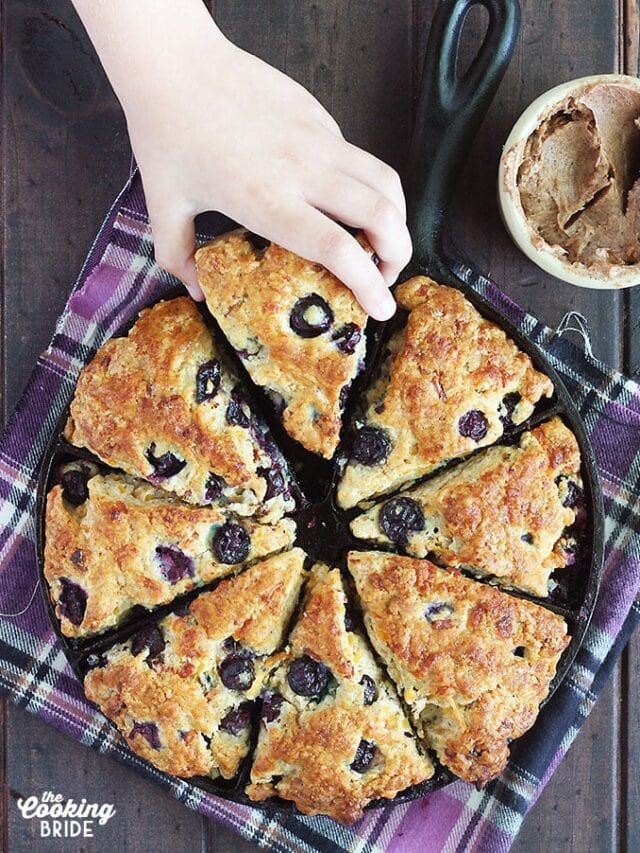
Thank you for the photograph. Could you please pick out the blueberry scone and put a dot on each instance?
(471, 662)
(333, 735)
(298, 330)
(504, 513)
(181, 691)
(450, 382)
(113, 543)
(162, 404)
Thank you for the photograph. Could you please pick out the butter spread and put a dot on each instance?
(578, 178)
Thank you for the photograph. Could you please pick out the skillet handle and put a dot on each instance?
(450, 110)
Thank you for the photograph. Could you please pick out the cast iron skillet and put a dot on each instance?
(449, 112)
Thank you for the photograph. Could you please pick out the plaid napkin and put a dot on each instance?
(118, 279)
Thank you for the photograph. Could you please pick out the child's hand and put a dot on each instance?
(215, 128)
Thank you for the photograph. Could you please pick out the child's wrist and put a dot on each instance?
(144, 45)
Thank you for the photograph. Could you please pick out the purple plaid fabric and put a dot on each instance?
(118, 279)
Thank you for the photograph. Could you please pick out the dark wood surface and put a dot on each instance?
(65, 154)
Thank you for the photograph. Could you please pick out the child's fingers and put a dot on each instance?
(390, 272)
(356, 204)
(174, 240)
(318, 238)
(190, 280)
(373, 172)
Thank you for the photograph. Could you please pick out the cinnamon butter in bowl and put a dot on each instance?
(569, 181)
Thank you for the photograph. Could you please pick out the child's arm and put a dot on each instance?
(213, 127)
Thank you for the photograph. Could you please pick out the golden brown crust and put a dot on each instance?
(447, 362)
(256, 605)
(168, 700)
(252, 293)
(309, 745)
(108, 546)
(501, 513)
(321, 630)
(472, 663)
(139, 396)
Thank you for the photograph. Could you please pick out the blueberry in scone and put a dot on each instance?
(450, 383)
(181, 691)
(505, 513)
(74, 480)
(129, 544)
(472, 663)
(162, 404)
(298, 330)
(333, 735)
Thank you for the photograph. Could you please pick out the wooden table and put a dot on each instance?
(65, 156)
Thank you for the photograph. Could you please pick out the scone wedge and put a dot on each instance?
(450, 382)
(333, 735)
(162, 404)
(298, 330)
(181, 691)
(129, 544)
(472, 663)
(505, 513)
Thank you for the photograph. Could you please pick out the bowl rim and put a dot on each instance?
(549, 258)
